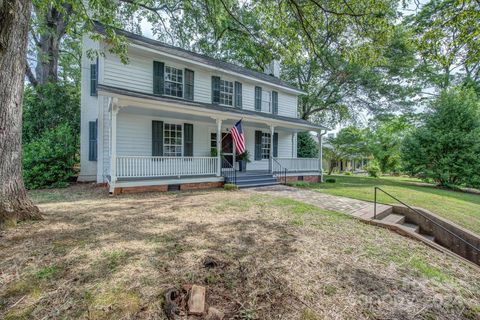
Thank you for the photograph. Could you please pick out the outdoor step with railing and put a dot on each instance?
(450, 238)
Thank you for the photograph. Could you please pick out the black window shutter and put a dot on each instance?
(93, 79)
(275, 144)
(158, 81)
(238, 95)
(157, 138)
(189, 79)
(92, 140)
(215, 89)
(258, 98)
(274, 102)
(258, 145)
(188, 140)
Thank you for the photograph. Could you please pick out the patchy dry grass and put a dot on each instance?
(96, 257)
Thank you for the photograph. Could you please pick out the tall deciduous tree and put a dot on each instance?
(385, 138)
(446, 33)
(14, 202)
(57, 27)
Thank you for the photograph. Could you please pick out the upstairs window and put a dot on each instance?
(226, 92)
(173, 82)
(266, 101)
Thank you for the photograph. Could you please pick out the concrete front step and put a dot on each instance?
(257, 184)
(428, 237)
(255, 178)
(394, 218)
(411, 227)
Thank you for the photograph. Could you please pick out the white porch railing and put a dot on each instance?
(146, 166)
(299, 164)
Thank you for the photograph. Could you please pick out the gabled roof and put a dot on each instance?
(196, 57)
(116, 91)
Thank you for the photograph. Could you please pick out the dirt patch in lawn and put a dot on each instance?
(98, 257)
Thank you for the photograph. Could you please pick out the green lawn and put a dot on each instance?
(461, 208)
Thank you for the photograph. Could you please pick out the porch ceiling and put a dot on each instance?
(134, 101)
(198, 118)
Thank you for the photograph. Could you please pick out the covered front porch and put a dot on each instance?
(157, 143)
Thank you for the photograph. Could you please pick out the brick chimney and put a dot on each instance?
(273, 68)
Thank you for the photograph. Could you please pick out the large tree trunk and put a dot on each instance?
(48, 42)
(14, 202)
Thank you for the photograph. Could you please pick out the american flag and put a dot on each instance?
(238, 137)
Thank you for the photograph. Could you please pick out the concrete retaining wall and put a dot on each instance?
(442, 236)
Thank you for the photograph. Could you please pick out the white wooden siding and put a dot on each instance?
(134, 135)
(88, 112)
(137, 75)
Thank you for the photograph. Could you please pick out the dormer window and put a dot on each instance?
(173, 82)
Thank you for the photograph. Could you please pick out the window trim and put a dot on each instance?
(165, 66)
(268, 137)
(232, 94)
(211, 140)
(174, 145)
(269, 110)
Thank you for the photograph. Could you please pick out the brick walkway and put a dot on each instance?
(358, 208)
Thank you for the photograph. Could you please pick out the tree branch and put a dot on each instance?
(30, 75)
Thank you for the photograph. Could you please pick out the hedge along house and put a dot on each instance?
(158, 121)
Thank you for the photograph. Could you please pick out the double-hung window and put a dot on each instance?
(266, 101)
(226, 93)
(266, 145)
(173, 82)
(172, 140)
(213, 142)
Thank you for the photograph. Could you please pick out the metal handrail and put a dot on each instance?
(282, 170)
(230, 172)
(421, 214)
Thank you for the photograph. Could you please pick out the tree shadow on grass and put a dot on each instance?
(101, 249)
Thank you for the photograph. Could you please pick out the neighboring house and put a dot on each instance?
(159, 120)
(350, 163)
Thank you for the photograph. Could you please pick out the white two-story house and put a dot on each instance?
(158, 122)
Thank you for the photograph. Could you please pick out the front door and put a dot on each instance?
(227, 150)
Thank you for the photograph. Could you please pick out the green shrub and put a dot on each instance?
(307, 147)
(347, 173)
(49, 160)
(45, 107)
(373, 169)
(230, 186)
(330, 180)
(446, 148)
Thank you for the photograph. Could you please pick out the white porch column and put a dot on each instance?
(113, 158)
(219, 147)
(270, 164)
(320, 153)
